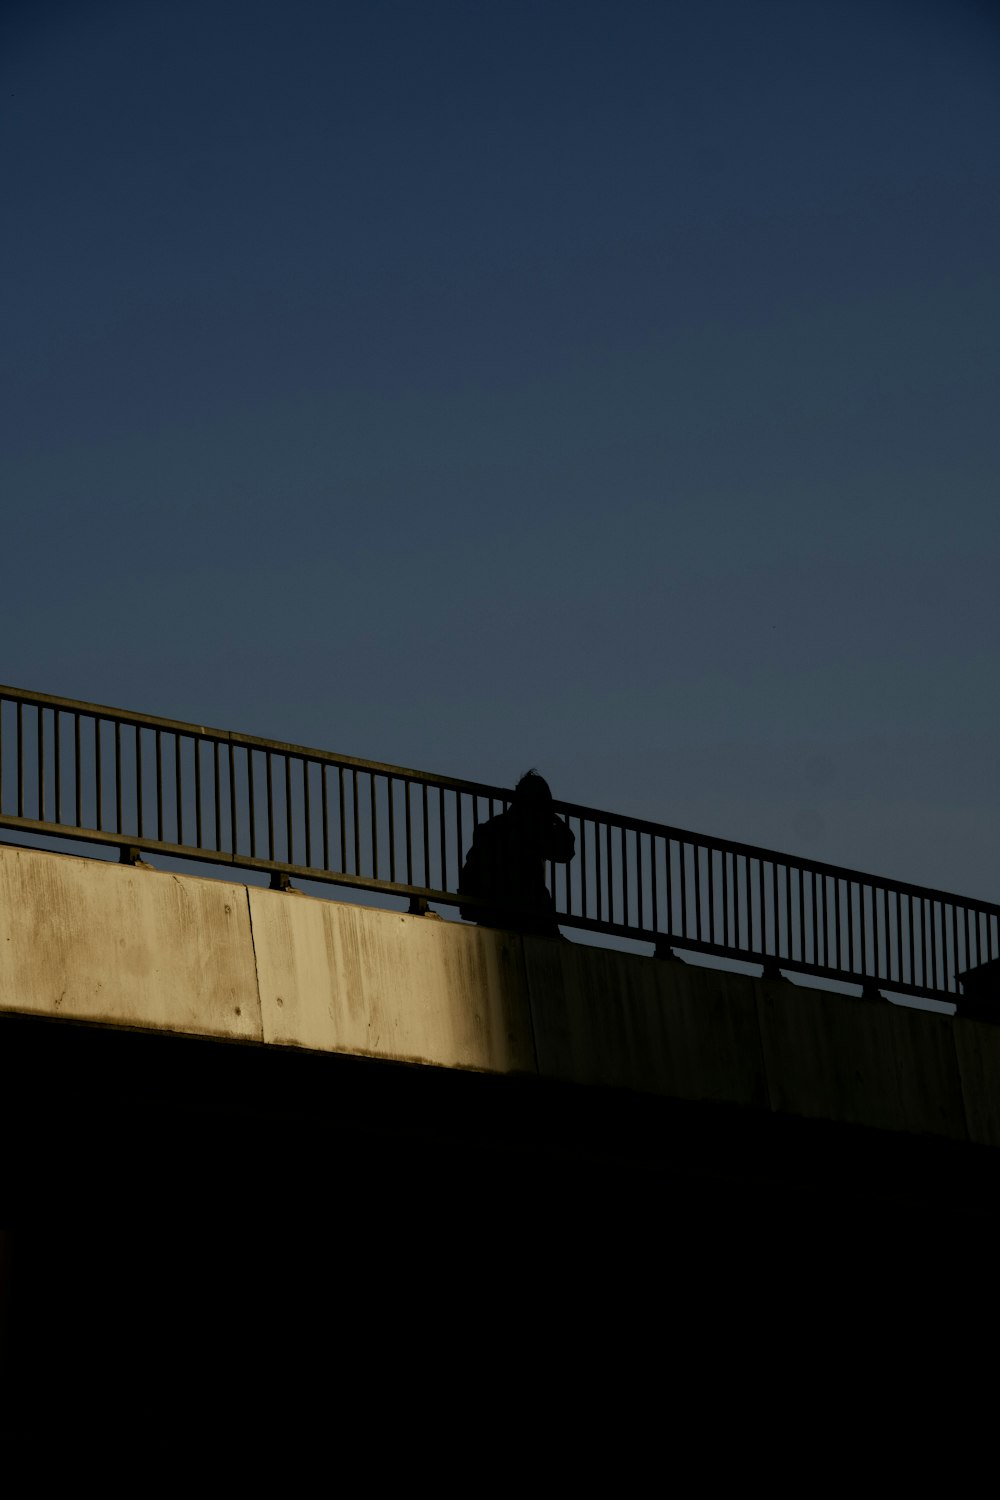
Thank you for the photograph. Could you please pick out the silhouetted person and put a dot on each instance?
(506, 864)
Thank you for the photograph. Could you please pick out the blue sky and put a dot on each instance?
(607, 387)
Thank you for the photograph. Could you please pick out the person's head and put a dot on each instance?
(532, 795)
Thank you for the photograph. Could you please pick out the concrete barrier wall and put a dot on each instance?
(341, 978)
(604, 1017)
(93, 941)
(132, 946)
(838, 1057)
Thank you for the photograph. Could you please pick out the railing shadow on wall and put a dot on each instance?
(83, 771)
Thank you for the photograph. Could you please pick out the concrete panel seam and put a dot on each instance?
(900, 1076)
(961, 1083)
(256, 969)
(969, 1131)
(758, 1000)
(531, 1003)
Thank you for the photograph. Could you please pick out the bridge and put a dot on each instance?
(446, 1038)
(433, 1093)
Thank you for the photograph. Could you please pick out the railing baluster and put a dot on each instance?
(609, 861)
(748, 897)
(783, 909)
(217, 772)
(409, 831)
(251, 804)
(97, 773)
(814, 918)
(374, 809)
(57, 763)
(178, 790)
(40, 749)
(788, 911)
(357, 828)
(343, 822)
(443, 838)
(20, 761)
(934, 963)
(696, 851)
(597, 871)
(683, 882)
(761, 905)
(196, 745)
(78, 779)
(289, 822)
(269, 789)
(324, 806)
(391, 804)
(876, 932)
(427, 836)
(118, 778)
(231, 758)
(725, 894)
(159, 787)
(138, 782)
(624, 859)
(305, 810)
(639, 893)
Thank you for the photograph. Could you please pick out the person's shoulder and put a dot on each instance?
(488, 829)
(563, 841)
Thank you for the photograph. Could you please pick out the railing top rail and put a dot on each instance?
(776, 856)
(251, 741)
(113, 715)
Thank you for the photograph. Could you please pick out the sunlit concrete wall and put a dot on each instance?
(136, 947)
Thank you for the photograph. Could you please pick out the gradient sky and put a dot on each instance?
(607, 387)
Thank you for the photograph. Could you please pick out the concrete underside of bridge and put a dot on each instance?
(97, 1116)
(204, 1220)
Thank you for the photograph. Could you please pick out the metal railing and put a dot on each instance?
(144, 784)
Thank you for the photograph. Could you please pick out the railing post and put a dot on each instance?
(418, 907)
